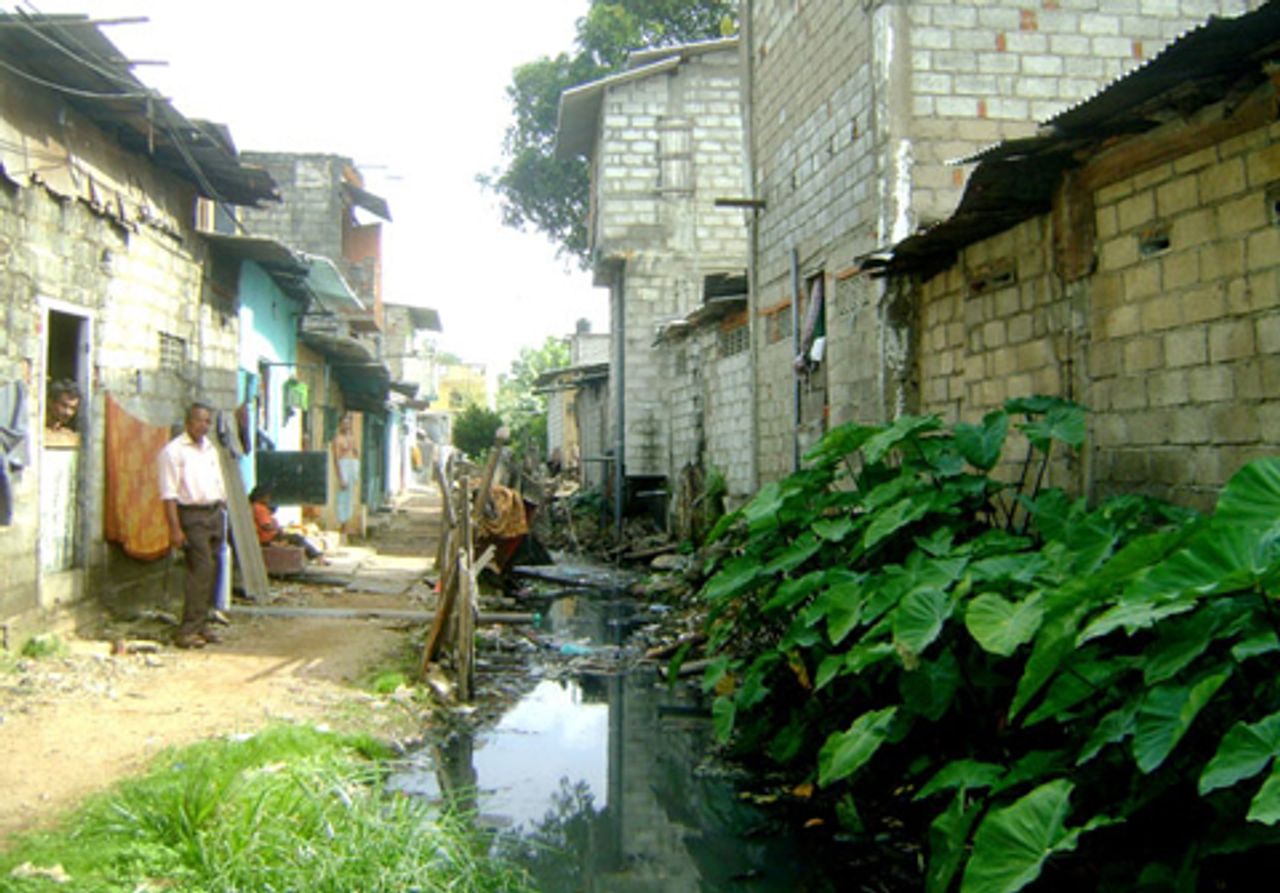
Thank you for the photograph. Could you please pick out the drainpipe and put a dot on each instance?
(795, 352)
(619, 397)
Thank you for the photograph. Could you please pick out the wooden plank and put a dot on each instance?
(484, 618)
(253, 570)
(466, 641)
(436, 633)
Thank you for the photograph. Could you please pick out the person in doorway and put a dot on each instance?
(346, 462)
(269, 529)
(195, 499)
(62, 414)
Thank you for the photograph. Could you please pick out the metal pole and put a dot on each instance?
(795, 351)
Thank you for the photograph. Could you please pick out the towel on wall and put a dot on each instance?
(135, 515)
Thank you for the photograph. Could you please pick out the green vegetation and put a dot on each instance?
(474, 428)
(524, 410)
(46, 645)
(289, 809)
(549, 194)
(1027, 688)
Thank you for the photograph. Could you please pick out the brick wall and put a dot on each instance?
(855, 110)
(312, 213)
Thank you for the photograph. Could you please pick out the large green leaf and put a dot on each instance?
(1132, 615)
(981, 445)
(1085, 676)
(723, 713)
(919, 619)
(1001, 626)
(889, 521)
(929, 689)
(881, 442)
(844, 753)
(792, 592)
(762, 511)
(948, 834)
(1165, 715)
(962, 775)
(795, 554)
(1265, 807)
(1244, 752)
(840, 604)
(1221, 557)
(736, 577)
(833, 530)
(839, 442)
(1181, 641)
(1065, 423)
(1252, 497)
(1111, 729)
(1012, 844)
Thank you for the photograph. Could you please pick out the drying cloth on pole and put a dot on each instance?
(509, 519)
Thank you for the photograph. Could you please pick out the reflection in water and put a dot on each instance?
(599, 785)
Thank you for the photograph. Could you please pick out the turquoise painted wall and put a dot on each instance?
(268, 334)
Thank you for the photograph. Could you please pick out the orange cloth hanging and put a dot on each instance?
(135, 515)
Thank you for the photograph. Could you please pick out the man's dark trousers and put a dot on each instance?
(204, 527)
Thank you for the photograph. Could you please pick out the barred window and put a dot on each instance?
(734, 340)
(173, 352)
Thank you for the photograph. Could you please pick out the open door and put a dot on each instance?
(65, 402)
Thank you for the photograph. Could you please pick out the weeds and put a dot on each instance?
(291, 809)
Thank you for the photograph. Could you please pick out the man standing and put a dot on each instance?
(346, 462)
(195, 507)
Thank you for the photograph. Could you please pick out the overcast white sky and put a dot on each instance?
(415, 94)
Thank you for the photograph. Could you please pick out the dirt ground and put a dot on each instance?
(71, 725)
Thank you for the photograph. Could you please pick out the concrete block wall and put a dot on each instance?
(1184, 358)
(854, 110)
(311, 215)
(728, 421)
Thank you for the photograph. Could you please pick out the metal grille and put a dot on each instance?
(173, 352)
(733, 341)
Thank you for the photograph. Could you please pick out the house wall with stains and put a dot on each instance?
(1173, 340)
(102, 279)
(854, 113)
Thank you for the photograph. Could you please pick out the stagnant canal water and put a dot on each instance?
(601, 778)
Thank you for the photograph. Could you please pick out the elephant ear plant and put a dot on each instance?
(997, 681)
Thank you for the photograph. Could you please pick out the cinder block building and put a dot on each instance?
(853, 111)
(664, 143)
(1128, 257)
(103, 282)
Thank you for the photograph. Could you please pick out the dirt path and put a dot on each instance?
(70, 726)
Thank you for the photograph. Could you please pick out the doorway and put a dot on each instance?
(66, 430)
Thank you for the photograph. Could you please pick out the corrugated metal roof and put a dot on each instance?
(69, 55)
(1015, 180)
(363, 198)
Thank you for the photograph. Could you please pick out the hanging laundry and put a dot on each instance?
(15, 445)
(134, 513)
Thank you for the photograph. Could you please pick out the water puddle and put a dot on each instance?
(599, 777)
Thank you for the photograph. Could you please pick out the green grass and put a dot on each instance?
(290, 809)
(47, 645)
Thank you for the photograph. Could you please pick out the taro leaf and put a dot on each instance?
(948, 834)
(792, 592)
(1265, 807)
(1001, 626)
(962, 775)
(1064, 423)
(1260, 642)
(929, 689)
(795, 554)
(1018, 568)
(841, 604)
(833, 530)
(1244, 752)
(888, 492)
(1111, 729)
(762, 511)
(829, 668)
(1086, 676)
(1252, 497)
(937, 543)
(753, 690)
(1165, 715)
(982, 444)
(840, 442)
(1055, 640)
(907, 426)
(919, 619)
(844, 753)
(1219, 558)
(1012, 844)
(715, 671)
(1031, 767)
(789, 740)
(736, 577)
(1132, 616)
(723, 712)
(1178, 644)
(723, 526)
(1036, 404)
(864, 656)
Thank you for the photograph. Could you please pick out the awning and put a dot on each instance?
(570, 377)
(287, 268)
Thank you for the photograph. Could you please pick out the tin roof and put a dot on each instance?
(1015, 180)
(70, 56)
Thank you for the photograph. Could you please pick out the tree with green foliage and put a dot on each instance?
(525, 410)
(474, 429)
(1026, 689)
(549, 194)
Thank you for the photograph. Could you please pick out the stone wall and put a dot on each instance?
(313, 210)
(853, 112)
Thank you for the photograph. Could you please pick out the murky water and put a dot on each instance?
(599, 779)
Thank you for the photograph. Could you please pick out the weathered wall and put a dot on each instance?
(668, 146)
(312, 215)
(1173, 345)
(853, 110)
